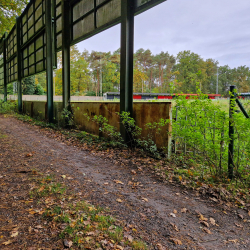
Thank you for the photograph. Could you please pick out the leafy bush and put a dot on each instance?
(202, 129)
(7, 107)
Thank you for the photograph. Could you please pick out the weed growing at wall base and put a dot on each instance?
(8, 107)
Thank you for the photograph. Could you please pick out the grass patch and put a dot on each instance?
(79, 222)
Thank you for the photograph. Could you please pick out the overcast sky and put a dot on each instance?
(218, 29)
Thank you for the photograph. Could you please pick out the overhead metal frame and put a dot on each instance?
(48, 26)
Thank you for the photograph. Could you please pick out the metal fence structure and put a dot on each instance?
(49, 26)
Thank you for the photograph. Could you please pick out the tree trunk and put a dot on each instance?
(98, 83)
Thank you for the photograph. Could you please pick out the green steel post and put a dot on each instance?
(49, 60)
(66, 53)
(231, 132)
(5, 68)
(127, 63)
(19, 67)
(53, 10)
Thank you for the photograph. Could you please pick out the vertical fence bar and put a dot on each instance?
(19, 67)
(5, 68)
(170, 131)
(175, 143)
(49, 60)
(66, 53)
(127, 62)
(231, 132)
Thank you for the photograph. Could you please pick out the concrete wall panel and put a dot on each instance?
(144, 112)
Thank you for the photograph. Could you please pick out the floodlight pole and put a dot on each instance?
(49, 61)
(5, 68)
(66, 53)
(127, 60)
(19, 68)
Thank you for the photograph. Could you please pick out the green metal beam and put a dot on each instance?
(127, 56)
(5, 67)
(19, 63)
(49, 60)
(66, 53)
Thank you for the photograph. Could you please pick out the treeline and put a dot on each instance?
(98, 72)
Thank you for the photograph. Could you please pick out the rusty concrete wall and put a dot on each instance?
(38, 109)
(144, 112)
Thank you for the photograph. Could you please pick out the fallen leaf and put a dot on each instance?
(234, 241)
(29, 155)
(213, 199)
(183, 210)
(143, 215)
(67, 243)
(159, 246)
(249, 212)
(201, 217)
(241, 216)
(173, 215)
(119, 247)
(14, 234)
(204, 223)
(6, 242)
(41, 189)
(176, 241)
(119, 200)
(129, 237)
(206, 230)
(63, 176)
(133, 172)
(175, 227)
(145, 199)
(90, 233)
(212, 221)
(175, 211)
(238, 225)
(118, 182)
(39, 227)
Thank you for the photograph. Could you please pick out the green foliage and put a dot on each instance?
(147, 145)
(39, 90)
(9, 9)
(106, 129)
(28, 85)
(95, 73)
(7, 107)
(67, 118)
(202, 127)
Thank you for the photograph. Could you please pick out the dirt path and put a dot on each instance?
(162, 213)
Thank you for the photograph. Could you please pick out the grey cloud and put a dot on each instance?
(217, 29)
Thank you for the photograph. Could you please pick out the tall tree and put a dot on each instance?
(189, 71)
(9, 9)
(28, 85)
